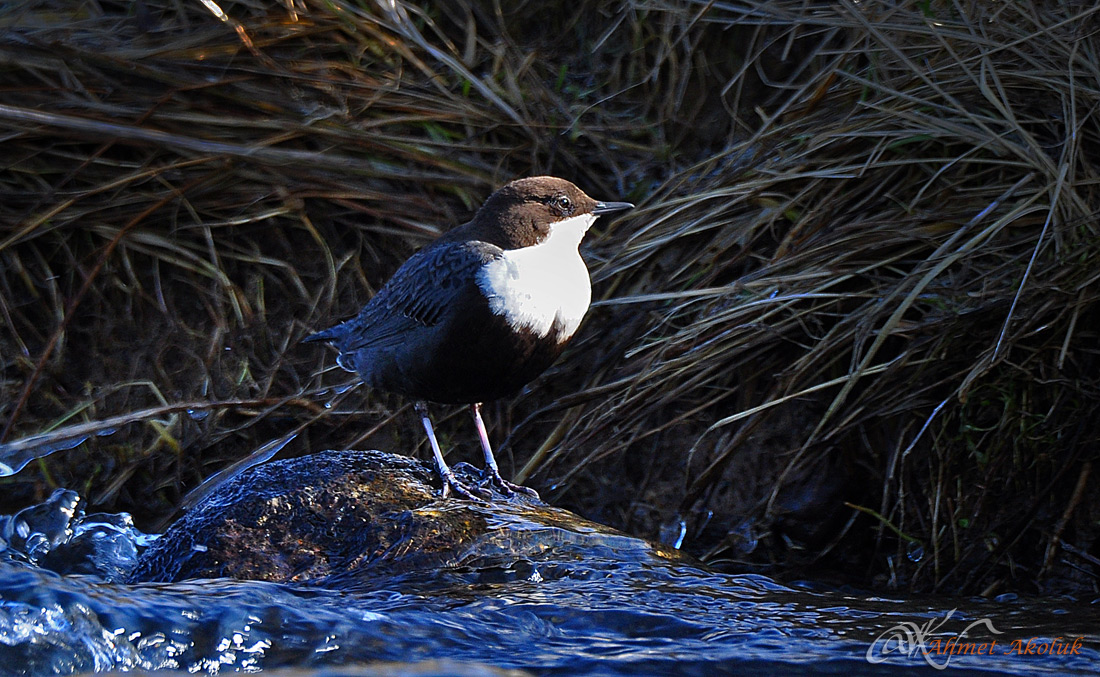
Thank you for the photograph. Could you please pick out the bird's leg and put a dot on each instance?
(507, 488)
(450, 482)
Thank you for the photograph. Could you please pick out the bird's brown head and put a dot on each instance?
(524, 212)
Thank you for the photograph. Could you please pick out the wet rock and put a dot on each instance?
(357, 513)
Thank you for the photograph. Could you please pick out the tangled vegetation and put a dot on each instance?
(850, 331)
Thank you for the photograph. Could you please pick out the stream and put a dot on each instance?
(585, 608)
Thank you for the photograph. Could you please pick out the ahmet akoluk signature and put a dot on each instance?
(939, 647)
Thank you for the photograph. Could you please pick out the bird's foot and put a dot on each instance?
(509, 488)
(469, 491)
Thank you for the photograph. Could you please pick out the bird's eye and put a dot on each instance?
(563, 204)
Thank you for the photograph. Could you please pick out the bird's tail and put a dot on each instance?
(330, 334)
(345, 360)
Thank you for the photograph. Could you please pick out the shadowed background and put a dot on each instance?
(849, 333)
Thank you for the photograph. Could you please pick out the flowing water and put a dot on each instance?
(572, 610)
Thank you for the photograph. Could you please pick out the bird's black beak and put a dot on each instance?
(611, 207)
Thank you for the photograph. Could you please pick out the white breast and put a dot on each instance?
(535, 286)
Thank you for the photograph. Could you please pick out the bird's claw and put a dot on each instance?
(452, 485)
(510, 488)
(471, 491)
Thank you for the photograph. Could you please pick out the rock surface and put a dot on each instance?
(359, 514)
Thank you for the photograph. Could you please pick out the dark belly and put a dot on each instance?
(488, 361)
(475, 357)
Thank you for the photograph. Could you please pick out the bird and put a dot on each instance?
(479, 312)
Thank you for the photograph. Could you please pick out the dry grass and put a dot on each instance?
(851, 325)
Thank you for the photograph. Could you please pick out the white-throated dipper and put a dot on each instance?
(480, 312)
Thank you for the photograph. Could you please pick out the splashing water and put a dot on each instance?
(14, 456)
(586, 607)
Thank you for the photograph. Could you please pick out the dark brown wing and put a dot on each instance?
(415, 297)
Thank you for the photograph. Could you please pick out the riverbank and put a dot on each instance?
(848, 333)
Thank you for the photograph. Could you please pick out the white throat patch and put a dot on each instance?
(534, 286)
